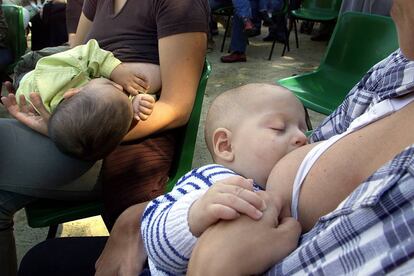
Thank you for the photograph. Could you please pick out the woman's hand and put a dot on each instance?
(245, 246)
(34, 115)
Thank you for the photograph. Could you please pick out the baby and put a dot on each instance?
(83, 89)
(247, 131)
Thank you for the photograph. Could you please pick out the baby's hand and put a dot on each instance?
(226, 199)
(143, 104)
(131, 82)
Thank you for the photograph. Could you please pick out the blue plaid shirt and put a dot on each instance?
(372, 230)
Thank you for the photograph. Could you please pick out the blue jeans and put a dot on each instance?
(238, 37)
(270, 5)
(241, 7)
(6, 58)
(10, 203)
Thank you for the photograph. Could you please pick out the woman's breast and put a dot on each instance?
(149, 72)
(342, 167)
(281, 178)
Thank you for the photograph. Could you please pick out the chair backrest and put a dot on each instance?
(284, 10)
(16, 36)
(329, 5)
(358, 42)
(186, 143)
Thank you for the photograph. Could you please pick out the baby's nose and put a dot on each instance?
(300, 139)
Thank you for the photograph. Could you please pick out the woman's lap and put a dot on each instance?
(63, 256)
(30, 164)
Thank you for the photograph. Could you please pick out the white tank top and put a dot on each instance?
(376, 112)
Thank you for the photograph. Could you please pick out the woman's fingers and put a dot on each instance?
(10, 104)
(23, 104)
(37, 102)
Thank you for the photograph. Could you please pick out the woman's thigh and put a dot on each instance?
(215, 4)
(30, 164)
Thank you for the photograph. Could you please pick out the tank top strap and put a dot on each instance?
(374, 113)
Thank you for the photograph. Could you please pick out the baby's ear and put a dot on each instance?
(71, 92)
(222, 144)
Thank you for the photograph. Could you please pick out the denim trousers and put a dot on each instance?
(6, 58)
(241, 7)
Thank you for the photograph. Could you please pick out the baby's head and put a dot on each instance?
(92, 120)
(250, 128)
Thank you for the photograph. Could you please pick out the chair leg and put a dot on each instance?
(225, 33)
(296, 33)
(289, 30)
(271, 49)
(308, 121)
(286, 45)
(51, 234)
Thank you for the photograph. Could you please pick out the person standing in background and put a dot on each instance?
(6, 56)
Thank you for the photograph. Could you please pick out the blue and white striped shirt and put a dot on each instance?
(164, 227)
(372, 230)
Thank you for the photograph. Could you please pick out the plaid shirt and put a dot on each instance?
(372, 230)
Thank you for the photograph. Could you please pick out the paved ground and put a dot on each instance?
(223, 77)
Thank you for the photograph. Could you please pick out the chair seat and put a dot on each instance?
(45, 212)
(315, 14)
(358, 42)
(224, 11)
(320, 90)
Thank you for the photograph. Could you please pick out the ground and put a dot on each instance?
(223, 77)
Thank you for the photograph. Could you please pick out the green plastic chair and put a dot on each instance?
(228, 13)
(316, 11)
(16, 36)
(51, 213)
(358, 42)
(283, 12)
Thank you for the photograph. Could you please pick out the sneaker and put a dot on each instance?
(253, 33)
(267, 21)
(306, 27)
(278, 38)
(249, 27)
(321, 37)
(234, 57)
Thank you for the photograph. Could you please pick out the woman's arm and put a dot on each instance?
(181, 63)
(82, 31)
(124, 252)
